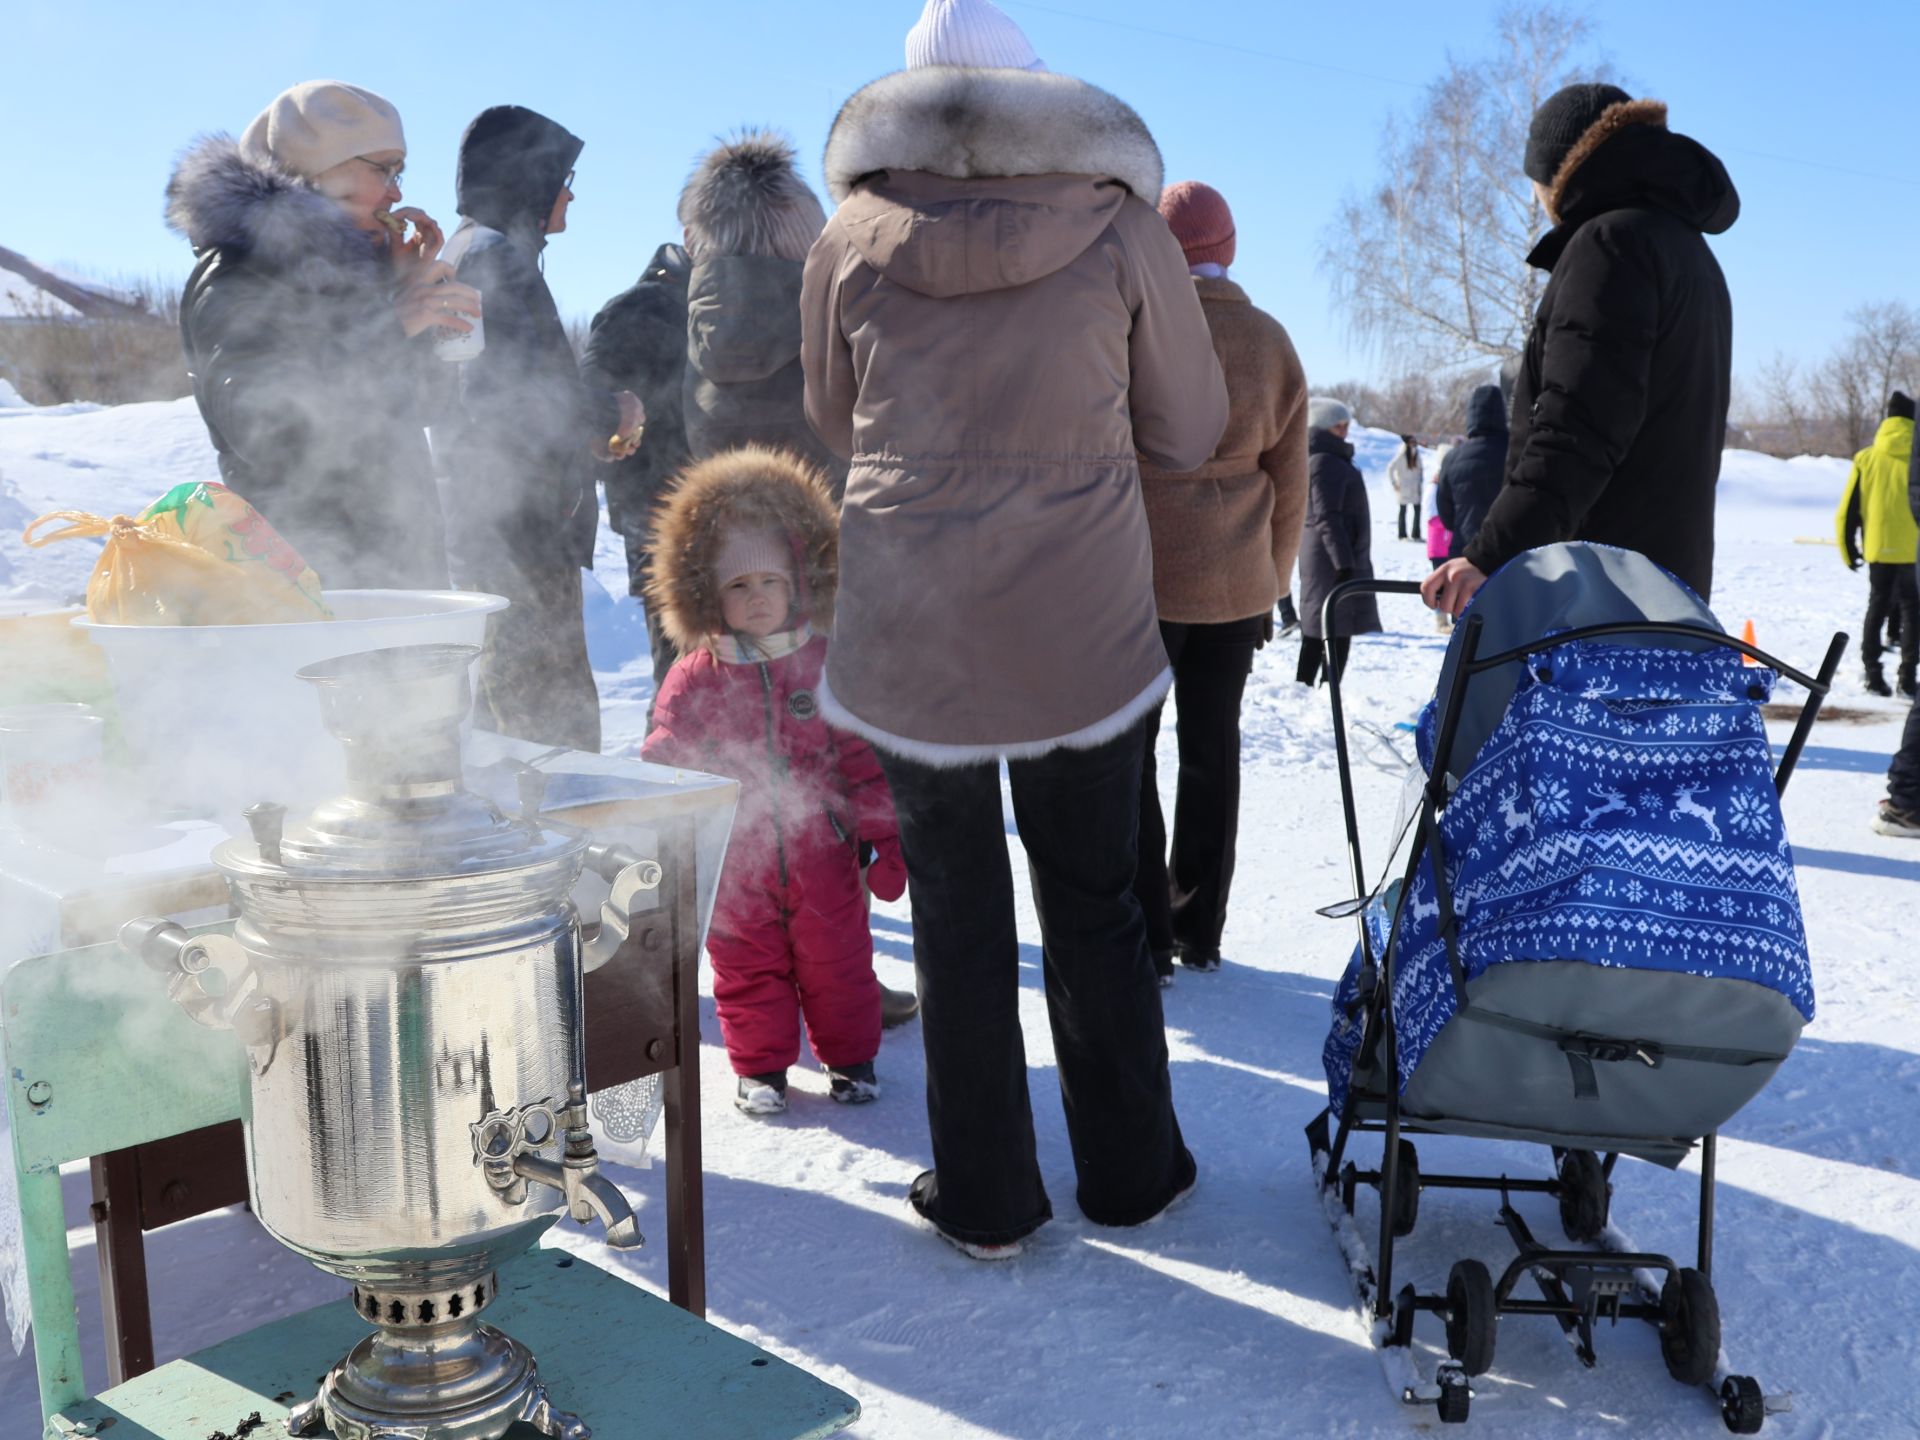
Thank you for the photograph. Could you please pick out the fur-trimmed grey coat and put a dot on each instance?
(315, 399)
(995, 321)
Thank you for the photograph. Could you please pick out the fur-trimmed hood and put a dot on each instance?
(753, 487)
(221, 200)
(1628, 157)
(990, 124)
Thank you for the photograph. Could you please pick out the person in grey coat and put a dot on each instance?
(1337, 543)
(749, 220)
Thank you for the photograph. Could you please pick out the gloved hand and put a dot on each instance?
(1266, 631)
(1342, 575)
(887, 876)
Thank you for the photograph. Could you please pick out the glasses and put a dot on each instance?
(389, 172)
(567, 184)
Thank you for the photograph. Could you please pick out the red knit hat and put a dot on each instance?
(1201, 222)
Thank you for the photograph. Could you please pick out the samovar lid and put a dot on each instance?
(406, 812)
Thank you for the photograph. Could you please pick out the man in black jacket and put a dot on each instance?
(1900, 811)
(638, 342)
(1471, 472)
(1620, 411)
(519, 492)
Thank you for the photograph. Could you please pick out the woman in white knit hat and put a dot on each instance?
(308, 325)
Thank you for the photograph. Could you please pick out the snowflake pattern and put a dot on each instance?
(1708, 891)
(1748, 814)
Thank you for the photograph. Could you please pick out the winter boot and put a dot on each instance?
(897, 1007)
(761, 1094)
(1289, 617)
(973, 1250)
(1905, 688)
(853, 1084)
(1892, 820)
(1163, 969)
(1195, 957)
(1876, 681)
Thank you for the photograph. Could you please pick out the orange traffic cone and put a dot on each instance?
(1746, 634)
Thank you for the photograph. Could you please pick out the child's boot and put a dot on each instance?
(853, 1084)
(762, 1094)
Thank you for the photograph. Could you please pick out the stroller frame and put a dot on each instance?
(1577, 1286)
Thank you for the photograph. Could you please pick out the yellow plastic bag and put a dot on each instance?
(199, 555)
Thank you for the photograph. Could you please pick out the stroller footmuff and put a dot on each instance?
(1595, 944)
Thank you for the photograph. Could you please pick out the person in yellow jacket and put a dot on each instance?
(1877, 526)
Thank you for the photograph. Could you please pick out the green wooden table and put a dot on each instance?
(630, 1364)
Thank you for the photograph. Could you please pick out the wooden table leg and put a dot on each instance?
(120, 1246)
(686, 1205)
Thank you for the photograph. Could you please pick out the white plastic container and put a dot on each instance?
(214, 716)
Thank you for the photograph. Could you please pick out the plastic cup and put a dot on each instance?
(50, 761)
(453, 346)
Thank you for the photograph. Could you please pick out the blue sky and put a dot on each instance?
(1815, 110)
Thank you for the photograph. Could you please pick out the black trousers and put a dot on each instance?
(1185, 899)
(1410, 532)
(1313, 658)
(663, 651)
(1077, 812)
(1891, 597)
(1903, 776)
(535, 681)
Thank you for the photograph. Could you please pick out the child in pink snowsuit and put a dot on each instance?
(745, 562)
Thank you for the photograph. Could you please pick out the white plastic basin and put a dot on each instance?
(214, 716)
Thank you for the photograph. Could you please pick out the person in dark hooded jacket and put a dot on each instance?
(638, 342)
(1336, 543)
(1472, 472)
(750, 221)
(309, 332)
(1620, 408)
(522, 513)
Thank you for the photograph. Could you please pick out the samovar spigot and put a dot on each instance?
(508, 1143)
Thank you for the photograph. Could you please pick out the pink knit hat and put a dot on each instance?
(1200, 220)
(752, 552)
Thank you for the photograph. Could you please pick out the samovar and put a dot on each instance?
(406, 980)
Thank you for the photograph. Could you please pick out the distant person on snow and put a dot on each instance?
(1620, 407)
(1875, 525)
(1405, 475)
(1439, 540)
(744, 571)
(1337, 544)
(522, 512)
(1900, 812)
(1471, 472)
(309, 331)
(996, 321)
(1224, 541)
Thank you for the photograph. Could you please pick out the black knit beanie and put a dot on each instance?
(1900, 406)
(1561, 120)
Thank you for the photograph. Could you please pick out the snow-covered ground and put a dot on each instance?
(1231, 1317)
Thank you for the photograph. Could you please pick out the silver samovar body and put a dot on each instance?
(406, 977)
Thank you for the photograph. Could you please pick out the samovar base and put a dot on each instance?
(432, 1379)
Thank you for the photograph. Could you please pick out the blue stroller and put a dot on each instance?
(1594, 944)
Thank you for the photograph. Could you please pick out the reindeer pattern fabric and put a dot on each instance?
(1622, 813)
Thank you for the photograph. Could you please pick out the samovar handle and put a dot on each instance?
(631, 875)
(185, 960)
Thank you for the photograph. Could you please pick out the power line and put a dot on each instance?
(1398, 83)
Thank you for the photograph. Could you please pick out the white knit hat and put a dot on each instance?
(319, 124)
(752, 552)
(974, 33)
(1323, 412)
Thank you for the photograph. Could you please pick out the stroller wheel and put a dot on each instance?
(1585, 1196)
(1689, 1327)
(1471, 1316)
(1742, 1405)
(1455, 1398)
(1406, 1199)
